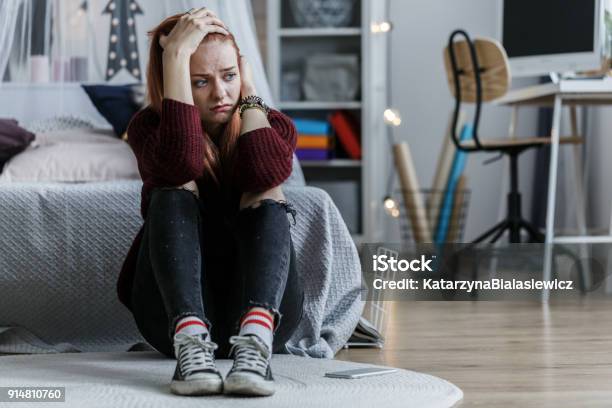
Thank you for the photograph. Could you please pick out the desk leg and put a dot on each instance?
(580, 199)
(552, 193)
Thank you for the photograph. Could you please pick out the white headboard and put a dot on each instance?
(29, 102)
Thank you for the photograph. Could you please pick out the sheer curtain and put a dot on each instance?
(15, 31)
(8, 21)
(67, 41)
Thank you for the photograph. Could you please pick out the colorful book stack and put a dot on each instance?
(314, 142)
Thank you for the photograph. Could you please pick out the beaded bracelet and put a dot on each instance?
(246, 106)
(252, 101)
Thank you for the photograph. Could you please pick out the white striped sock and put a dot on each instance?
(191, 325)
(258, 321)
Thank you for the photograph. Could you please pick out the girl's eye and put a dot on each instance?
(199, 83)
(231, 75)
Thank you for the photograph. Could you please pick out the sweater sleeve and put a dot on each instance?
(168, 147)
(265, 155)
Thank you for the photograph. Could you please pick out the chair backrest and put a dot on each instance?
(477, 71)
(494, 69)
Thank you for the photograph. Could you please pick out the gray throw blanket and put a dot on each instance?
(63, 245)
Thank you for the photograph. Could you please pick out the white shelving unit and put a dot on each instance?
(332, 163)
(288, 46)
(301, 105)
(319, 32)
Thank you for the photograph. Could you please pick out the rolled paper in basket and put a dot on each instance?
(454, 232)
(443, 169)
(413, 200)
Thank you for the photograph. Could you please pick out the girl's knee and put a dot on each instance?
(249, 199)
(168, 198)
(267, 206)
(190, 186)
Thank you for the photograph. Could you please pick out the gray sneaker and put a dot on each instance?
(195, 373)
(250, 373)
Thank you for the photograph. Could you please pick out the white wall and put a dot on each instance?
(420, 92)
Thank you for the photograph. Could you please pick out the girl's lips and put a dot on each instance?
(222, 108)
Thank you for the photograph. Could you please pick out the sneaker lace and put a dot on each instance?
(194, 353)
(249, 353)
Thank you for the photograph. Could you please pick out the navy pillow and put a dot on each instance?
(117, 103)
(13, 139)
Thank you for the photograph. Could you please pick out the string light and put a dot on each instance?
(392, 117)
(391, 206)
(385, 27)
(381, 27)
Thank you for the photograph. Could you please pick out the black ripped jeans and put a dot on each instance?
(196, 261)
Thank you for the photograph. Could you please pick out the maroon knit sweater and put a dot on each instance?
(169, 151)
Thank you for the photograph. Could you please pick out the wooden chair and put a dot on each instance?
(478, 72)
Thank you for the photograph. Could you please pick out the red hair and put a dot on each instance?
(218, 161)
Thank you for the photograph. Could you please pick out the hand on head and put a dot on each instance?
(191, 29)
(246, 75)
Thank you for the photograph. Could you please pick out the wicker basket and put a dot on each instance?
(455, 213)
(322, 13)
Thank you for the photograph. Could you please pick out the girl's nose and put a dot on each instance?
(218, 90)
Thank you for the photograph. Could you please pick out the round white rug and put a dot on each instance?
(142, 379)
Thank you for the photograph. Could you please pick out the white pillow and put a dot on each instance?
(74, 155)
(76, 135)
(60, 122)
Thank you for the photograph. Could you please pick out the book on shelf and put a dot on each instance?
(306, 141)
(311, 126)
(313, 154)
(347, 132)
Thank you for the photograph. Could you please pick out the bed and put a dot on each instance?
(64, 243)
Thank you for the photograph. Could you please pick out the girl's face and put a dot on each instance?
(215, 81)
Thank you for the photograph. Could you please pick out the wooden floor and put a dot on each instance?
(504, 354)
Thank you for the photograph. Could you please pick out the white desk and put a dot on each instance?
(572, 93)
